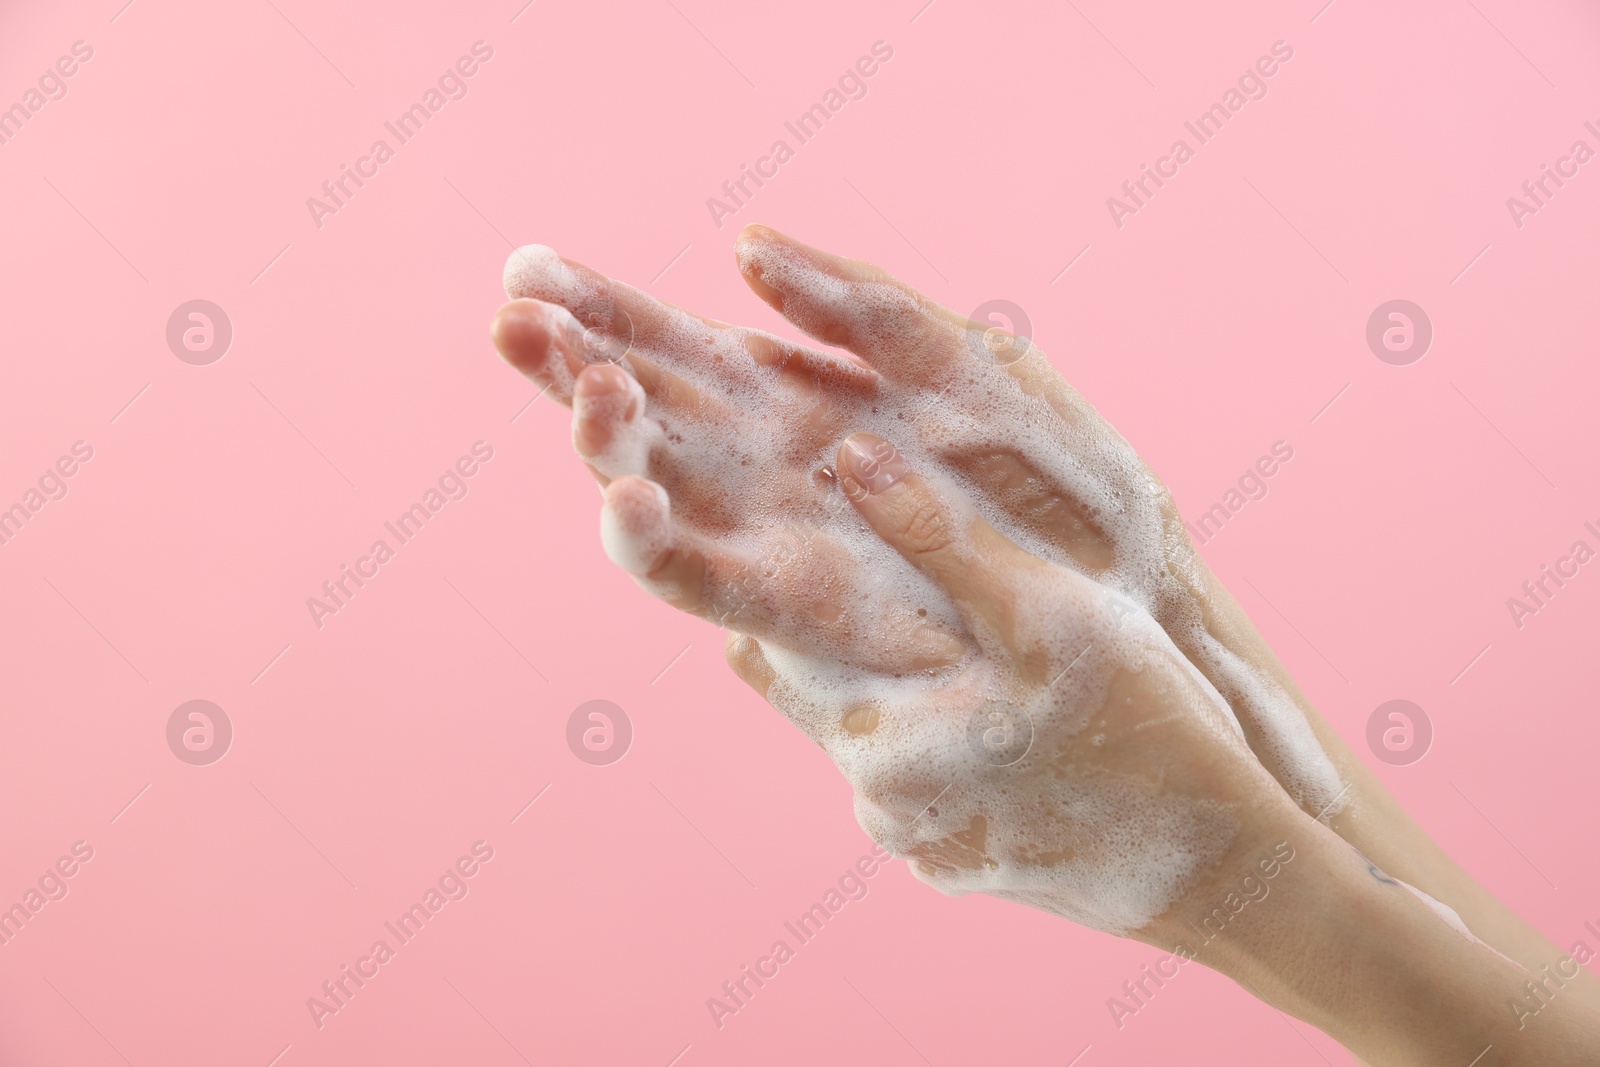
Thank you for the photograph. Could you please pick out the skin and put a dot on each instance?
(711, 562)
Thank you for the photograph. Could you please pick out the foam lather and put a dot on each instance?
(1071, 826)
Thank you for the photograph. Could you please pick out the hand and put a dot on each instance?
(1073, 760)
(719, 414)
(1132, 776)
(1111, 786)
(740, 427)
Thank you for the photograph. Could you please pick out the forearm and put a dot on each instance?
(1341, 945)
(1392, 839)
(1372, 820)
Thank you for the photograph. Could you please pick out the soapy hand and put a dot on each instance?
(738, 427)
(951, 573)
(1072, 760)
(724, 497)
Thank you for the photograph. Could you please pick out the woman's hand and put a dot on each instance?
(738, 428)
(1072, 759)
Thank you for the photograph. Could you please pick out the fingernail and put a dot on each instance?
(871, 465)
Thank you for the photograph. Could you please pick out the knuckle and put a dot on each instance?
(925, 529)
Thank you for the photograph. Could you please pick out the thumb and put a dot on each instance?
(978, 567)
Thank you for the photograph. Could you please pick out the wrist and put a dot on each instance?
(1302, 920)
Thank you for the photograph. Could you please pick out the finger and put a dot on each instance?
(689, 570)
(540, 340)
(615, 319)
(638, 534)
(529, 335)
(608, 426)
(1036, 499)
(981, 571)
(852, 304)
(749, 662)
(807, 366)
(805, 591)
(795, 597)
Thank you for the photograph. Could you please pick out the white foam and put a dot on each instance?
(1109, 849)
(632, 435)
(636, 528)
(533, 270)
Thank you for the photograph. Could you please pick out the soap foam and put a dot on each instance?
(633, 436)
(636, 527)
(537, 270)
(1134, 848)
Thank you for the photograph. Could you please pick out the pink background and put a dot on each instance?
(370, 754)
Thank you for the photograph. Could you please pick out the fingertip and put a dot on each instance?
(527, 267)
(605, 401)
(756, 232)
(521, 335)
(639, 502)
(636, 524)
(748, 661)
(600, 380)
(763, 250)
(753, 264)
